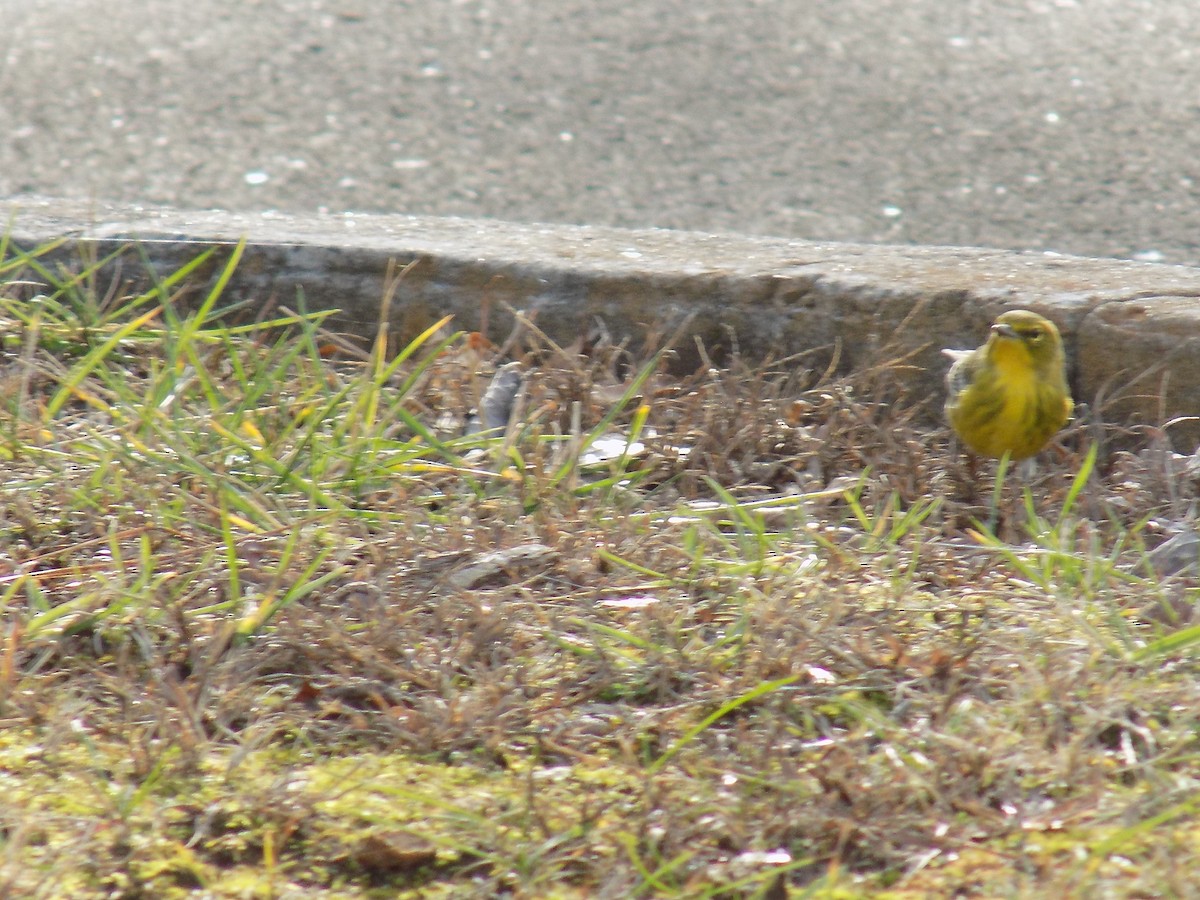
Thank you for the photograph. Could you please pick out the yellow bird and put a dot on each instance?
(1010, 395)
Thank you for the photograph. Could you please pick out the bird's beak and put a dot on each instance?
(1005, 331)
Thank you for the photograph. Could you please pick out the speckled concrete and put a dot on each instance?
(1065, 125)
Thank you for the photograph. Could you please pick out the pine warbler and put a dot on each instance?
(1010, 395)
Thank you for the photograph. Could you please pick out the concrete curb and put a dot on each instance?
(1132, 329)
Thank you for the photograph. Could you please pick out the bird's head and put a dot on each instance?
(1021, 334)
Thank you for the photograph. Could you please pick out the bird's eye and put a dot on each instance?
(1033, 336)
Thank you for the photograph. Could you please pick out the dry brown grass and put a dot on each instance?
(256, 641)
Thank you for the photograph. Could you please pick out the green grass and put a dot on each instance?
(255, 640)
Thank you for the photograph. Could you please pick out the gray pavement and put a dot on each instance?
(1070, 125)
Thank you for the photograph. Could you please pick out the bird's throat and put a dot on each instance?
(1016, 365)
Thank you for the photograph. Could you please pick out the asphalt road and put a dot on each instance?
(1069, 125)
